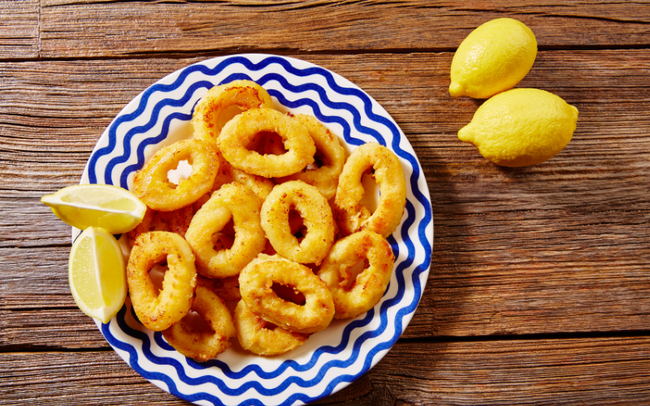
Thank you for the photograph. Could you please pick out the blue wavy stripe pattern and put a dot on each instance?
(420, 218)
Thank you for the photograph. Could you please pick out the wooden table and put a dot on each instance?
(539, 291)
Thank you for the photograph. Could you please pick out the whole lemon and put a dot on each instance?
(521, 127)
(493, 58)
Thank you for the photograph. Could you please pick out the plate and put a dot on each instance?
(331, 359)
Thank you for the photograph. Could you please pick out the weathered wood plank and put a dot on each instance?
(597, 371)
(556, 276)
(83, 96)
(106, 28)
(483, 282)
(19, 29)
(99, 378)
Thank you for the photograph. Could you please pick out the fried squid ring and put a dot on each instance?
(238, 133)
(330, 154)
(233, 201)
(176, 221)
(317, 217)
(267, 143)
(159, 310)
(354, 296)
(227, 173)
(202, 344)
(220, 103)
(256, 336)
(227, 288)
(350, 214)
(156, 191)
(256, 285)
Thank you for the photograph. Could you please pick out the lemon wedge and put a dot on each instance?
(115, 209)
(97, 274)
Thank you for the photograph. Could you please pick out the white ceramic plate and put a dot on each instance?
(330, 359)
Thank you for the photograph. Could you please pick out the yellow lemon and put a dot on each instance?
(493, 58)
(97, 274)
(115, 209)
(521, 127)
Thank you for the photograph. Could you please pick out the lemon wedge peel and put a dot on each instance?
(97, 274)
(521, 127)
(93, 205)
(493, 58)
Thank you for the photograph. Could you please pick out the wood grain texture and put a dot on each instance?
(109, 28)
(19, 29)
(598, 371)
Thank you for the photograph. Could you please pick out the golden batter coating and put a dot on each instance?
(330, 155)
(351, 215)
(159, 310)
(237, 135)
(233, 201)
(317, 216)
(256, 285)
(256, 336)
(354, 295)
(220, 103)
(152, 186)
(203, 344)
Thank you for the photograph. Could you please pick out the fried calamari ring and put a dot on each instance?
(156, 191)
(159, 310)
(176, 221)
(256, 285)
(227, 288)
(353, 297)
(202, 344)
(330, 154)
(261, 186)
(227, 174)
(350, 214)
(267, 143)
(220, 103)
(256, 336)
(317, 217)
(239, 132)
(233, 201)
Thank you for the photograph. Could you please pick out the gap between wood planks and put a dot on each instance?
(528, 337)
(433, 340)
(211, 53)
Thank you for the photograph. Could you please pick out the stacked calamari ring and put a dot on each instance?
(256, 337)
(203, 345)
(152, 186)
(350, 214)
(176, 221)
(216, 107)
(227, 288)
(233, 201)
(317, 217)
(238, 133)
(256, 285)
(227, 173)
(159, 310)
(330, 154)
(353, 297)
